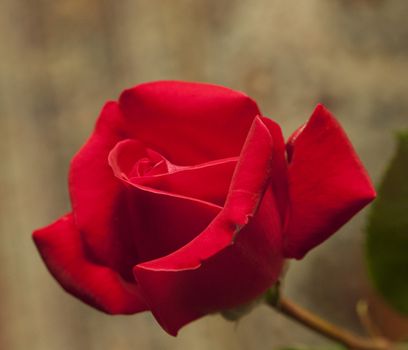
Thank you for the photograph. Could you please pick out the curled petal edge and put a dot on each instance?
(246, 192)
(61, 249)
(241, 204)
(327, 183)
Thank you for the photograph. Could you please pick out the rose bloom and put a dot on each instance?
(186, 200)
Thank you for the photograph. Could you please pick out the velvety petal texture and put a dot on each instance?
(234, 259)
(188, 123)
(328, 184)
(97, 197)
(186, 201)
(143, 168)
(99, 286)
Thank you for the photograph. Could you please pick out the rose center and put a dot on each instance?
(146, 169)
(147, 166)
(167, 204)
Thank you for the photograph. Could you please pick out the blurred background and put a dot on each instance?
(61, 60)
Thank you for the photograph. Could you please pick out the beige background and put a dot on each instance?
(61, 60)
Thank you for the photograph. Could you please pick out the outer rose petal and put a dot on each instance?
(234, 259)
(62, 251)
(327, 182)
(96, 194)
(189, 123)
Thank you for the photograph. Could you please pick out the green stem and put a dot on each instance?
(327, 329)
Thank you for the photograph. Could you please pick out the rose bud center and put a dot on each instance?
(144, 168)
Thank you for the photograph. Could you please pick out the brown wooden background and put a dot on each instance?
(60, 60)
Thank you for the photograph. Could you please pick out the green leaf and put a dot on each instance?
(387, 232)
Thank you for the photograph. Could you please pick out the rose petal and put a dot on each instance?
(208, 182)
(234, 259)
(121, 226)
(125, 157)
(189, 123)
(160, 224)
(62, 251)
(328, 183)
(98, 197)
(279, 181)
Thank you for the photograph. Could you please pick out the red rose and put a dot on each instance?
(186, 201)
